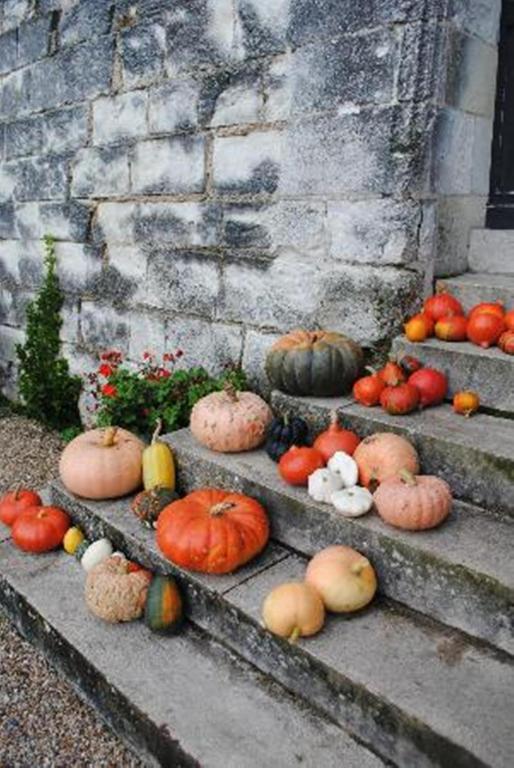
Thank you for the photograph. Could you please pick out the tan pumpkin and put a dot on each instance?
(344, 578)
(414, 503)
(102, 464)
(114, 592)
(383, 455)
(293, 610)
(230, 421)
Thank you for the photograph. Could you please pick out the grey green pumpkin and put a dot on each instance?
(319, 363)
(163, 610)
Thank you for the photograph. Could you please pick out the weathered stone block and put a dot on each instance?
(24, 137)
(147, 334)
(8, 51)
(422, 61)
(65, 221)
(312, 19)
(278, 88)
(256, 346)
(248, 164)
(462, 153)
(173, 166)
(14, 90)
(472, 66)
(103, 327)
(84, 20)
(183, 281)
(100, 172)
(9, 339)
(114, 222)
(53, 132)
(262, 26)
(33, 40)
(480, 17)
(8, 228)
(173, 107)
(130, 263)
(232, 96)
(7, 181)
(382, 231)
(41, 178)
(210, 345)
(142, 53)
(183, 225)
(77, 265)
(119, 117)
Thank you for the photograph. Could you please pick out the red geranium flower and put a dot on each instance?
(109, 390)
(105, 370)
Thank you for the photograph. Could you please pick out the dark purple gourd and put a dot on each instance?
(283, 433)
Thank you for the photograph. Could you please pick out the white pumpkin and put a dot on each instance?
(344, 467)
(352, 502)
(322, 484)
(96, 553)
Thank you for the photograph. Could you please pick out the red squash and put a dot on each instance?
(392, 374)
(368, 389)
(400, 400)
(452, 328)
(484, 329)
(212, 531)
(432, 385)
(40, 529)
(15, 502)
(442, 305)
(488, 308)
(506, 342)
(298, 463)
(508, 319)
(335, 438)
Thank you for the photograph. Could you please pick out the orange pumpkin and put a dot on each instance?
(298, 463)
(383, 455)
(506, 342)
(413, 503)
(466, 403)
(40, 529)
(344, 578)
(102, 464)
(335, 438)
(509, 320)
(485, 329)
(15, 502)
(368, 389)
(488, 308)
(392, 374)
(293, 610)
(442, 305)
(230, 421)
(212, 531)
(452, 328)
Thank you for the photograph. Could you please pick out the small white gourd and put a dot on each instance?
(322, 484)
(352, 502)
(345, 468)
(96, 553)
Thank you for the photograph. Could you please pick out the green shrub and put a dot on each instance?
(135, 398)
(47, 390)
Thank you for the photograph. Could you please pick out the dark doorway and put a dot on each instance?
(500, 208)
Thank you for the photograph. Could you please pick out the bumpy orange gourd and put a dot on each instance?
(230, 421)
(293, 610)
(212, 531)
(383, 455)
(413, 503)
(115, 591)
(335, 438)
(344, 578)
(102, 464)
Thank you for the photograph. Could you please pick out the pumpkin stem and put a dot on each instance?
(358, 567)
(221, 508)
(372, 371)
(157, 431)
(334, 419)
(295, 634)
(109, 437)
(407, 477)
(17, 489)
(230, 391)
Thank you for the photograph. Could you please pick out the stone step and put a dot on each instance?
(461, 573)
(179, 701)
(475, 456)
(419, 692)
(473, 288)
(492, 250)
(490, 372)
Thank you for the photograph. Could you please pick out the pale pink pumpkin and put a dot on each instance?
(230, 421)
(414, 503)
(383, 455)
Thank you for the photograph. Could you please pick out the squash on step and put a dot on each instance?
(158, 463)
(163, 610)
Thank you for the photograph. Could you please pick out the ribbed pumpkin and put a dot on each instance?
(230, 421)
(102, 464)
(212, 531)
(320, 363)
(158, 463)
(283, 433)
(163, 609)
(413, 503)
(384, 455)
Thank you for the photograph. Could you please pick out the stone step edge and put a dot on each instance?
(228, 624)
(474, 602)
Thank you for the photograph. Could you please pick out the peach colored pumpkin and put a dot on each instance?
(413, 503)
(293, 610)
(344, 578)
(383, 455)
(230, 421)
(102, 464)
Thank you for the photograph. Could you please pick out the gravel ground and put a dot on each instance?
(43, 723)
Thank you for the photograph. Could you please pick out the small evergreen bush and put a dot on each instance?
(48, 392)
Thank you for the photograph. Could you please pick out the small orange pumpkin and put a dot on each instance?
(466, 403)
(383, 455)
(416, 329)
(413, 503)
(506, 342)
(335, 438)
(293, 610)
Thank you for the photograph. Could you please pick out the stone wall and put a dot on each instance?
(218, 171)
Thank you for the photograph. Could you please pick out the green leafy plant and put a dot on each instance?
(48, 392)
(135, 397)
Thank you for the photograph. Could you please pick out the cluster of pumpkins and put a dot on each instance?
(486, 324)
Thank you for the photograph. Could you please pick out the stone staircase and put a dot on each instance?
(424, 677)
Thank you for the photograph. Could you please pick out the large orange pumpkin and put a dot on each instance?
(231, 421)
(382, 456)
(102, 464)
(212, 530)
(413, 503)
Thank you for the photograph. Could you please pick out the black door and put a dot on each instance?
(500, 209)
